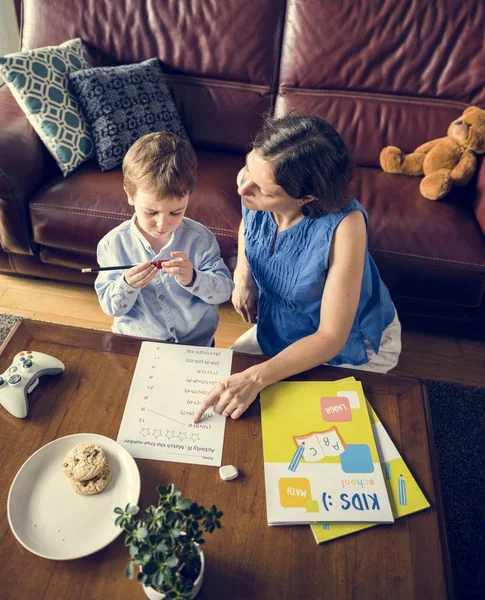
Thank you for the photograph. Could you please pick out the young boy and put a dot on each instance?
(177, 303)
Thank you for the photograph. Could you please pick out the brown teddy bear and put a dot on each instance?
(445, 162)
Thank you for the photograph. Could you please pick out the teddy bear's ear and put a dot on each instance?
(470, 109)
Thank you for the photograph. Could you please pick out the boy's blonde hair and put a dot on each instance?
(160, 162)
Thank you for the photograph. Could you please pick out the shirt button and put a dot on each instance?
(196, 289)
(124, 305)
(210, 297)
(171, 329)
(161, 297)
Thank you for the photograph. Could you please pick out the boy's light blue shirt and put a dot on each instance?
(164, 309)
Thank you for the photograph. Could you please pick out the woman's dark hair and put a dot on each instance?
(308, 157)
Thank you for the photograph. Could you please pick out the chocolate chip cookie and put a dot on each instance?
(92, 486)
(83, 462)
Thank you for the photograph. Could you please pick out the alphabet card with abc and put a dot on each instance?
(320, 456)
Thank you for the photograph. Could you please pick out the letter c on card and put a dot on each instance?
(335, 409)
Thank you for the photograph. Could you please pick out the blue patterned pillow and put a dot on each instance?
(38, 81)
(123, 103)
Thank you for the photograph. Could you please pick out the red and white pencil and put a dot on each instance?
(157, 263)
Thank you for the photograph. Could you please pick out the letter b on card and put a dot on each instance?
(335, 409)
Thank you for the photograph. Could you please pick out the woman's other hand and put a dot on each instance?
(245, 296)
(232, 396)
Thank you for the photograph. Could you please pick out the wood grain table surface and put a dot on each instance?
(246, 558)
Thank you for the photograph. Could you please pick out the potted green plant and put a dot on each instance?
(165, 544)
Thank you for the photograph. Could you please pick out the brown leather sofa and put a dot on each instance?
(382, 72)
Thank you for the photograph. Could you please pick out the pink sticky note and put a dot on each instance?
(335, 409)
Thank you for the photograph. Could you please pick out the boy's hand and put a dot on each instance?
(181, 268)
(141, 275)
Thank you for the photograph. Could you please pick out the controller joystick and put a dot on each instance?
(22, 376)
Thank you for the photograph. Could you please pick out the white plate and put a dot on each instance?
(50, 519)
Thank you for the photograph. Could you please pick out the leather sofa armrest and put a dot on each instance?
(25, 165)
(479, 204)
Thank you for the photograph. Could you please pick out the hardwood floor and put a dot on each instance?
(424, 355)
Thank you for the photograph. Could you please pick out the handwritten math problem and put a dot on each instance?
(168, 385)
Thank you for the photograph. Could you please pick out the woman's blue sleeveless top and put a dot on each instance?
(291, 282)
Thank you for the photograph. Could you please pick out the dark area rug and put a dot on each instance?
(6, 324)
(458, 414)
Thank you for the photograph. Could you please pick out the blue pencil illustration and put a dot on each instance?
(388, 470)
(402, 491)
(295, 461)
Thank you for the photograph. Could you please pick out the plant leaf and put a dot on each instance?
(185, 504)
(161, 547)
(172, 561)
(170, 516)
(133, 510)
(150, 568)
(129, 571)
(141, 578)
(158, 579)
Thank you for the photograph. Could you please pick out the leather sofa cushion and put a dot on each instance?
(223, 56)
(428, 250)
(73, 214)
(368, 122)
(391, 73)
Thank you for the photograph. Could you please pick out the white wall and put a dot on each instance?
(9, 32)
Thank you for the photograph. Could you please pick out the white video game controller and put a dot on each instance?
(22, 377)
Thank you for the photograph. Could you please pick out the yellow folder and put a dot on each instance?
(320, 456)
(405, 495)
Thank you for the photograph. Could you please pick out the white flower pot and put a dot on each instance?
(154, 595)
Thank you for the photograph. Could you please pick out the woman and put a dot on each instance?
(304, 272)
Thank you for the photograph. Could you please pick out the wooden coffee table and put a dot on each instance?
(246, 559)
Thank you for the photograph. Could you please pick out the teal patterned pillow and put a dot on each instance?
(38, 81)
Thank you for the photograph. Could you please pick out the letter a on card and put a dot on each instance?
(331, 441)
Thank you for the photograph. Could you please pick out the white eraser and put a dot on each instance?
(228, 472)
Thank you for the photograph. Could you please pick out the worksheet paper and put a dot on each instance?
(169, 383)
